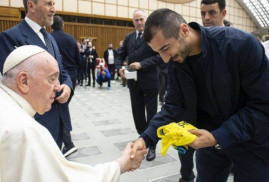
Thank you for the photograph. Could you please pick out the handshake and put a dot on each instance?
(132, 156)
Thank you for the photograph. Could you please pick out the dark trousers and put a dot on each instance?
(82, 69)
(186, 160)
(215, 165)
(141, 100)
(66, 137)
(111, 68)
(91, 72)
(163, 85)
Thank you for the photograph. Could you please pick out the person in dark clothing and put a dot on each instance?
(91, 55)
(71, 62)
(218, 81)
(83, 66)
(144, 91)
(110, 57)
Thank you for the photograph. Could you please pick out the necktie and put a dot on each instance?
(138, 39)
(47, 41)
(139, 36)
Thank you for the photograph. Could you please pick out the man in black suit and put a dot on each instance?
(71, 62)
(82, 69)
(91, 55)
(31, 31)
(110, 56)
(144, 91)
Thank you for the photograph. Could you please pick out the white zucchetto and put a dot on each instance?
(20, 54)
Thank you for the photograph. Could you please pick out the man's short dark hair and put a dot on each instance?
(25, 4)
(221, 3)
(164, 19)
(57, 23)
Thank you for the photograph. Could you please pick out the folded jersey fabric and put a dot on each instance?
(177, 135)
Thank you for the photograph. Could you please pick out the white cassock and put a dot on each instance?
(28, 152)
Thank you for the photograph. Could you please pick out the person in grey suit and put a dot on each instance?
(39, 13)
(144, 91)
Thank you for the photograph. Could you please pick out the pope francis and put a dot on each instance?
(27, 150)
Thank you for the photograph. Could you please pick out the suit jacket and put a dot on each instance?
(140, 51)
(93, 53)
(22, 34)
(69, 51)
(106, 55)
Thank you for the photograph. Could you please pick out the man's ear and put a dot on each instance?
(184, 30)
(223, 13)
(30, 5)
(23, 80)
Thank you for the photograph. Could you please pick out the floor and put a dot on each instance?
(103, 124)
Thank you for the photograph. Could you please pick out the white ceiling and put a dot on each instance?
(258, 10)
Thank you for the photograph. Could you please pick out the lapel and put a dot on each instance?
(31, 38)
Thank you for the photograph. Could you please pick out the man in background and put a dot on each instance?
(71, 62)
(31, 31)
(91, 55)
(144, 60)
(110, 57)
(213, 12)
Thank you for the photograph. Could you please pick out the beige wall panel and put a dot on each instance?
(111, 10)
(123, 11)
(192, 19)
(85, 7)
(143, 4)
(187, 18)
(111, 1)
(161, 5)
(98, 8)
(16, 3)
(123, 2)
(131, 12)
(170, 6)
(186, 10)
(133, 3)
(153, 4)
(70, 5)
(178, 8)
(193, 3)
(59, 5)
(4, 2)
(193, 12)
(99, 1)
(244, 21)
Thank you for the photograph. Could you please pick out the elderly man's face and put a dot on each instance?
(44, 11)
(139, 20)
(44, 86)
(212, 15)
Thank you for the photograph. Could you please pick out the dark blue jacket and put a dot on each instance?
(237, 78)
(68, 49)
(22, 34)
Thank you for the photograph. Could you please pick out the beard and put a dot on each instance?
(183, 52)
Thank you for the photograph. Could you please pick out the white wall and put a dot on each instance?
(125, 8)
